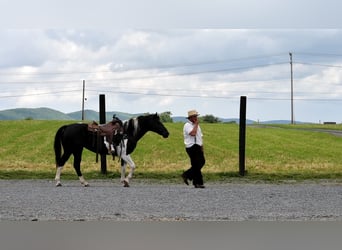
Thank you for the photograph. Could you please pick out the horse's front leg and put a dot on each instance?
(132, 166)
(126, 159)
(123, 173)
(83, 181)
(121, 153)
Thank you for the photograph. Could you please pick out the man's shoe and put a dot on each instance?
(185, 179)
(199, 186)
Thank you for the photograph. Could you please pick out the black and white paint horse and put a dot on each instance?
(71, 139)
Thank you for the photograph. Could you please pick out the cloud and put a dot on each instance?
(143, 70)
(19, 49)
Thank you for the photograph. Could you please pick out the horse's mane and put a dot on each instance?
(132, 127)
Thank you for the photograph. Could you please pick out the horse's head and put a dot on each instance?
(136, 128)
(154, 124)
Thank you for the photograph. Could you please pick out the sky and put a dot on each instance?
(143, 67)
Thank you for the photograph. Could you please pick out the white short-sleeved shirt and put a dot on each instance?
(189, 140)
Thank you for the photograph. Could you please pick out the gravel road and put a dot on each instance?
(105, 200)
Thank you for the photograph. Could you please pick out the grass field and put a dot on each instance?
(272, 153)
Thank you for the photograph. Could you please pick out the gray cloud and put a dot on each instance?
(172, 69)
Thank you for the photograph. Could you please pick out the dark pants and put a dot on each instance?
(197, 162)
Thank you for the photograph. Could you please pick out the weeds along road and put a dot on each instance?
(105, 200)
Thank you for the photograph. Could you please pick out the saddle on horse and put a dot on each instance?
(108, 131)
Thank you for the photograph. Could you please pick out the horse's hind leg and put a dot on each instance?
(59, 168)
(77, 166)
(58, 176)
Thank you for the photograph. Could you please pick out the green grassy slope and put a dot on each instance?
(26, 151)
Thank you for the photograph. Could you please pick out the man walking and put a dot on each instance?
(194, 147)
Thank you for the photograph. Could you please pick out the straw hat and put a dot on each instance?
(192, 113)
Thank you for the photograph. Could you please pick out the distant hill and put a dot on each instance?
(90, 115)
(282, 122)
(36, 114)
(51, 114)
(225, 120)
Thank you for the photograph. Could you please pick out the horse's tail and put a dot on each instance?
(58, 144)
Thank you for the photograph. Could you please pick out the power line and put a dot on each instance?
(318, 64)
(38, 94)
(164, 75)
(318, 54)
(166, 66)
(152, 76)
(180, 95)
(172, 66)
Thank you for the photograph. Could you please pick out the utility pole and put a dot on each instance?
(83, 100)
(292, 116)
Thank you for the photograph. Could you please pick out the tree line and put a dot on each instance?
(166, 117)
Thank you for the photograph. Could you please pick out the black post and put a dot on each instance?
(242, 141)
(103, 121)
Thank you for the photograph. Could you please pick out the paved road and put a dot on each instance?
(104, 200)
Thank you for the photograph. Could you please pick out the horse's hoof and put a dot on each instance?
(58, 184)
(86, 184)
(126, 184)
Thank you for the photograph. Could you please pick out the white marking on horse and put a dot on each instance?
(135, 126)
(83, 181)
(58, 176)
(121, 150)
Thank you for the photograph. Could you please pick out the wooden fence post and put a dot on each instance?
(103, 121)
(242, 137)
